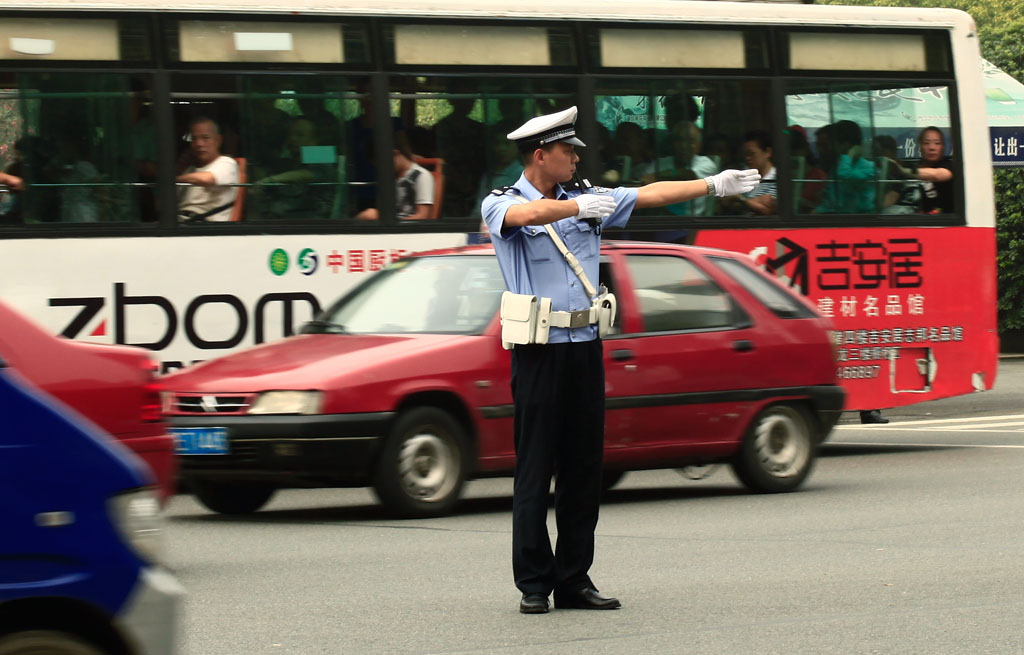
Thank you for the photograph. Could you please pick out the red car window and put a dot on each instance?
(673, 294)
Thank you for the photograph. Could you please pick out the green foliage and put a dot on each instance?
(1010, 241)
(1000, 25)
(10, 129)
(1000, 29)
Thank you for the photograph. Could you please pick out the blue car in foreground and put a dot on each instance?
(79, 520)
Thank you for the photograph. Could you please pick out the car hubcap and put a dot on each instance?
(782, 447)
(426, 466)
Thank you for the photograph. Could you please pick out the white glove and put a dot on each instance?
(594, 205)
(733, 182)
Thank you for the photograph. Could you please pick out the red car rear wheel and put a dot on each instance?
(778, 451)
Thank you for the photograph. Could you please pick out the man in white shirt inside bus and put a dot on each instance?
(414, 186)
(209, 196)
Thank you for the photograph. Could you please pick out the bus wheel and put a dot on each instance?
(45, 642)
(423, 464)
(231, 497)
(778, 451)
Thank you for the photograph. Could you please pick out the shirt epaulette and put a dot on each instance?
(506, 189)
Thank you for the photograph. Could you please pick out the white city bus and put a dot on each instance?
(312, 97)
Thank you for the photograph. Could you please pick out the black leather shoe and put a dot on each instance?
(873, 416)
(533, 604)
(586, 599)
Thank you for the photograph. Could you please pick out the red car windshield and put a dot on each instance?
(452, 294)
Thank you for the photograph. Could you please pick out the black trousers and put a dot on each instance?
(558, 390)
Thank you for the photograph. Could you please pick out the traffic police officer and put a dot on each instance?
(558, 386)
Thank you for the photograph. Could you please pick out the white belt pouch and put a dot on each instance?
(524, 319)
(606, 308)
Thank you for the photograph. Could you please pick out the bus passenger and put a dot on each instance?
(629, 154)
(414, 186)
(512, 113)
(720, 148)
(13, 184)
(27, 150)
(890, 190)
(762, 200)
(208, 196)
(931, 188)
(684, 164)
(458, 144)
(505, 169)
(12, 181)
(359, 139)
(144, 156)
(851, 187)
(265, 125)
(282, 188)
(808, 178)
(75, 175)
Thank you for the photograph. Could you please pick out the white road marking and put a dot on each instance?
(889, 444)
(1007, 423)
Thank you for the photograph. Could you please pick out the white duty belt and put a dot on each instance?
(526, 319)
(577, 319)
(582, 317)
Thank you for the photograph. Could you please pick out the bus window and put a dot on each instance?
(855, 149)
(293, 132)
(85, 146)
(300, 147)
(455, 135)
(652, 130)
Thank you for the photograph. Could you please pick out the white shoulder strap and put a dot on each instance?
(574, 263)
(570, 258)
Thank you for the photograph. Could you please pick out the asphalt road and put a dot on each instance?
(906, 539)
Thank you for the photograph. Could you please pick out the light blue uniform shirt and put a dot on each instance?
(532, 264)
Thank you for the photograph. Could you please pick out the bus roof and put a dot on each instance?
(690, 11)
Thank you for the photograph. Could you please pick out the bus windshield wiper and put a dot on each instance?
(318, 326)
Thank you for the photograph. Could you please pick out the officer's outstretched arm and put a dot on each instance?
(659, 194)
(726, 183)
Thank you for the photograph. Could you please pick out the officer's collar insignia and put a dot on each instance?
(506, 189)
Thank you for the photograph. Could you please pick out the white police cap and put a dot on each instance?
(549, 128)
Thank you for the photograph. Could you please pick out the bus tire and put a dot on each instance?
(45, 642)
(423, 464)
(778, 450)
(231, 497)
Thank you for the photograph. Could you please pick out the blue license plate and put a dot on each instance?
(201, 441)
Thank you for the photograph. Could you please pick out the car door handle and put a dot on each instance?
(622, 355)
(743, 345)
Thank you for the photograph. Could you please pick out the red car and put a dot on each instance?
(113, 386)
(403, 384)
